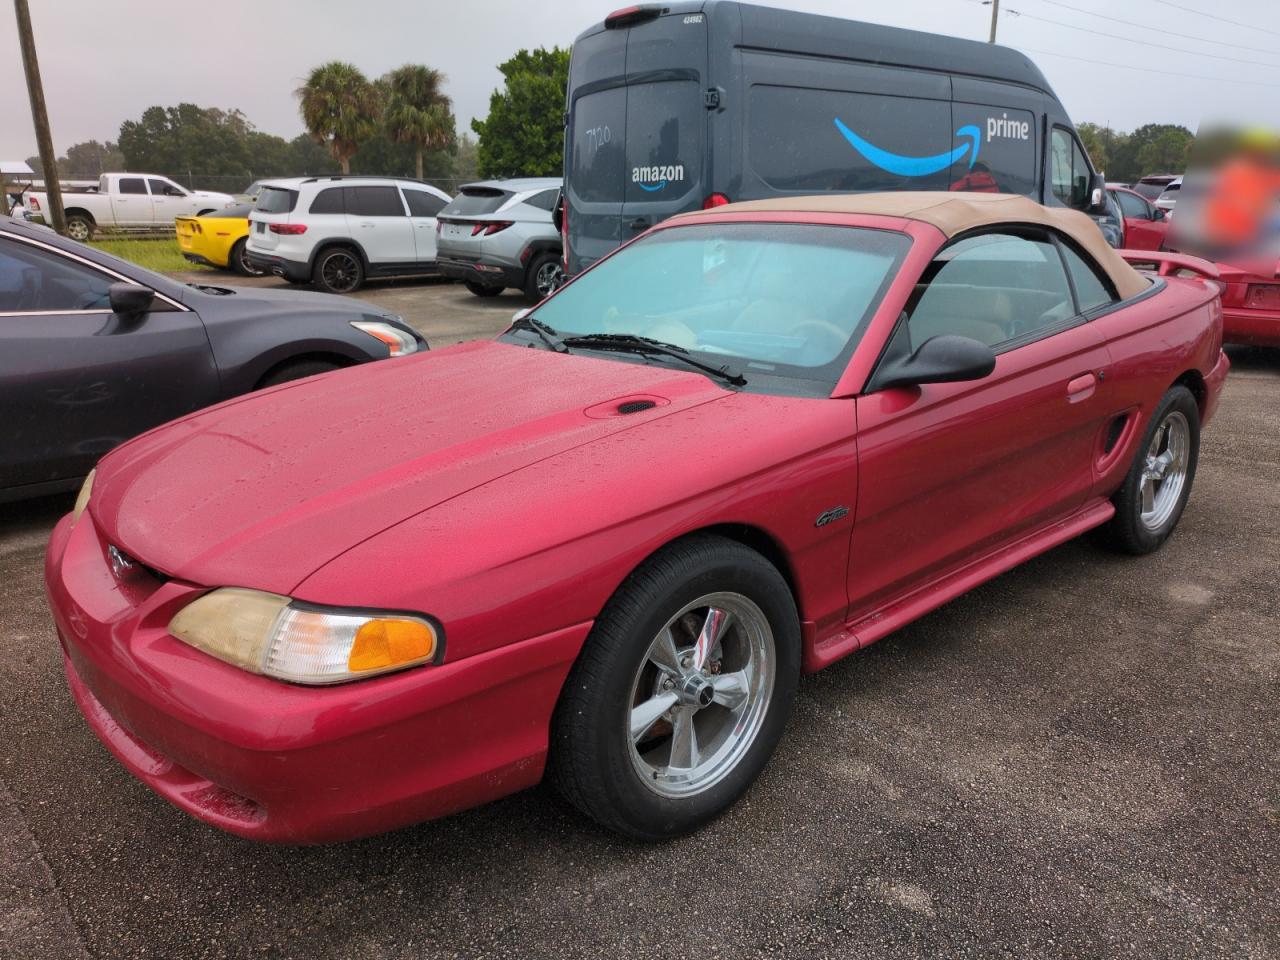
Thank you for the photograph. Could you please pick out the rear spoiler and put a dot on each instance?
(1167, 264)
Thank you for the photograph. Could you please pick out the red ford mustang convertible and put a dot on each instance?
(605, 545)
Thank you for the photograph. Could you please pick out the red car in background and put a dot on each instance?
(1250, 307)
(1145, 224)
(748, 443)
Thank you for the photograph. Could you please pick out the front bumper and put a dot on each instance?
(279, 266)
(481, 270)
(284, 763)
(1257, 328)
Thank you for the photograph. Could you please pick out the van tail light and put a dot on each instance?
(288, 229)
(714, 200)
(490, 228)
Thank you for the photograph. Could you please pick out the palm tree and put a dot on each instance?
(417, 112)
(340, 108)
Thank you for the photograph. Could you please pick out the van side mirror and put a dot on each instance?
(557, 212)
(1097, 194)
(128, 300)
(944, 359)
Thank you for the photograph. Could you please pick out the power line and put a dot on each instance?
(1128, 66)
(1141, 43)
(1150, 29)
(1214, 16)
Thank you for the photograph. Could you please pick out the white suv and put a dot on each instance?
(337, 231)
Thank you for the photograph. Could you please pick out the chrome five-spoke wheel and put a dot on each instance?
(700, 695)
(1165, 471)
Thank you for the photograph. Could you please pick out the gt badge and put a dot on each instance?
(831, 516)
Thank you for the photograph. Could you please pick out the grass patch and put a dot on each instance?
(161, 254)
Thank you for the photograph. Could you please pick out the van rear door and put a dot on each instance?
(637, 128)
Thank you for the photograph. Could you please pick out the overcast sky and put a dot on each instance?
(105, 62)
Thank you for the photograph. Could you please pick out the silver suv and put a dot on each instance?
(498, 233)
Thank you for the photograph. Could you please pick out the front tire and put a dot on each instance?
(79, 228)
(296, 370)
(1150, 502)
(682, 690)
(338, 270)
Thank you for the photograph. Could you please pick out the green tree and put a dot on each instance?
(524, 132)
(91, 159)
(1100, 143)
(187, 138)
(1128, 162)
(339, 108)
(1167, 151)
(417, 111)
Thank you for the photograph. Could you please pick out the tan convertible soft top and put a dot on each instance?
(953, 213)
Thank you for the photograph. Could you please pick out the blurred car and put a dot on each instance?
(218, 239)
(1169, 195)
(1152, 186)
(95, 350)
(1145, 224)
(499, 233)
(606, 544)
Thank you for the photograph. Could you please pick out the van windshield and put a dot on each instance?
(781, 299)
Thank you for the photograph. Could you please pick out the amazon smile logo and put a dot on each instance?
(915, 166)
(656, 177)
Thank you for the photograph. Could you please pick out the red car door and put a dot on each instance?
(950, 471)
(1145, 224)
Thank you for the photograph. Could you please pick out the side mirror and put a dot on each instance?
(557, 212)
(128, 299)
(521, 314)
(1160, 213)
(1097, 194)
(944, 359)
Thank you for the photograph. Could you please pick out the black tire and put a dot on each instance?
(238, 263)
(545, 273)
(481, 289)
(1127, 531)
(591, 760)
(80, 227)
(296, 370)
(338, 270)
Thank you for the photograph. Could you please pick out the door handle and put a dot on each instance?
(639, 223)
(370, 225)
(1081, 388)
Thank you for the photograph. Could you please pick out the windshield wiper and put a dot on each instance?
(547, 334)
(633, 343)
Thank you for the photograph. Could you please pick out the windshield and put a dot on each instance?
(781, 299)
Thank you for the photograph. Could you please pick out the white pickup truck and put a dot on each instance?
(127, 201)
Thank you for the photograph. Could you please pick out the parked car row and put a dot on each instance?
(127, 201)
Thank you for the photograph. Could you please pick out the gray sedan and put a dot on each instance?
(94, 350)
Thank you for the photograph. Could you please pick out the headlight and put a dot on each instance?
(279, 637)
(82, 498)
(398, 341)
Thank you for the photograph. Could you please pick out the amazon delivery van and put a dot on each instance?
(685, 105)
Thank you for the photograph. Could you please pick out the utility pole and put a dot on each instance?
(995, 13)
(40, 117)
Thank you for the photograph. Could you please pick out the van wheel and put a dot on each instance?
(338, 270)
(682, 691)
(542, 278)
(79, 228)
(481, 289)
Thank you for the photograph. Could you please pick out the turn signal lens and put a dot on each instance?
(399, 343)
(82, 498)
(383, 644)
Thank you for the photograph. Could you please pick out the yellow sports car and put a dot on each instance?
(218, 239)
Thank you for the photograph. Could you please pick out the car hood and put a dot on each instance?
(262, 491)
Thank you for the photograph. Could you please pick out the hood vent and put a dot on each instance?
(635, 406)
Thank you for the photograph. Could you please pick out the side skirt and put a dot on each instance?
(924, 599)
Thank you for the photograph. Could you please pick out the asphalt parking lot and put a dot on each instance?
(1078, 759)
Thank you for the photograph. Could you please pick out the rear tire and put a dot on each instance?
(1150, 502)
(238, 260)
(544, 275)
(482, 290)
(639, 671)
(80, 228)
(338, 270)
(296, 370)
